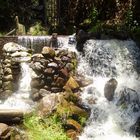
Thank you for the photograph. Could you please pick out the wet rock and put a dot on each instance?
(48, 104)
(11, 115)
(52, 69)
(71, 84)
(8, 65)
(48, 52)
(12, 47)
(20, 54)
(53, 42)
(91, 101)
(44, 92)
(75, 124)
(81, 38)
(69, 66)
(49, 80)
(135, 129)
(7, 71)
(72, 134)
(55, 89)
(37, 66)
(34, 90)
(129, 97)
(5, 94)
(60, 82)
(64, 72)
(4, 131)
(109, 89)
(6, 61)
(0, 84)
(78, 111)
(65, 106)
(37, 57)
(37, 83)
(49, 71)
(8, 78)
(7, 85)
(54, 65)
(65, 59)
(35, 96)
(82, 81)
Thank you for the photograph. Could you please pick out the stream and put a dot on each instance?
(19, 100)
(105, 59)
(102, 60)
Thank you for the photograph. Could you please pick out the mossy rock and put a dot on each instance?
(48, 52)
(75, 124)
(67, 109)
(71, 84)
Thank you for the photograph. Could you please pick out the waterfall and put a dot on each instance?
(37, 42)
(102, 60)
(33, 42)
(20, 99)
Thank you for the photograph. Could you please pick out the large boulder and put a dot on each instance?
(129, 97)
(48, 104)
(48, 52)
(13, 47)
(109, 89)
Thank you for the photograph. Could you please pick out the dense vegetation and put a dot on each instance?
(69, 15)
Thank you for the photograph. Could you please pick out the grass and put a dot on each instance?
(44, 128)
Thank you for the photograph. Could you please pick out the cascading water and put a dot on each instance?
(20, 99)
(37, 42)
(33, 42)
(104, 59)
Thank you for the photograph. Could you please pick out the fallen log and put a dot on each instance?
(11, 115)
(11, 32)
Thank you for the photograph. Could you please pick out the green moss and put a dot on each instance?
(49, 128)
(82, 120)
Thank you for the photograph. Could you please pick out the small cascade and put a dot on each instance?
(105, 59)
(33, 42)
(112, 57)
(20, 99)
(37, 42)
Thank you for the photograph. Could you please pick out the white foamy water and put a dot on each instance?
(104, 60)
(20, 99)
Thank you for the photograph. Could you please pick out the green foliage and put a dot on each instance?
(94, 15)
(96, 28)
(130, 23)
(49, 128)
(37, 29)
(82, 120)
